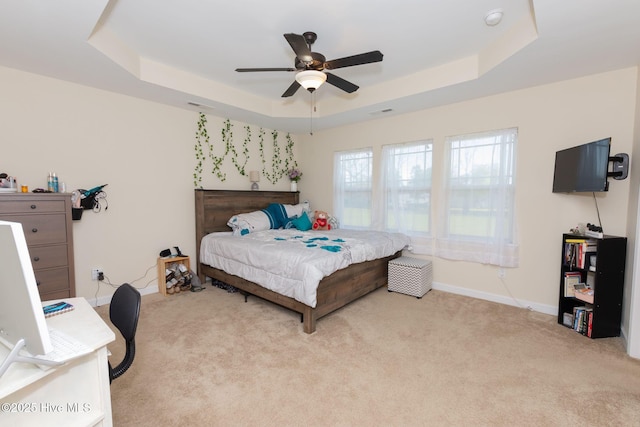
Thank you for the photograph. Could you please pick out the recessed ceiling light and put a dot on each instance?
(493, 17)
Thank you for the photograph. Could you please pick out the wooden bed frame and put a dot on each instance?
(213, 210)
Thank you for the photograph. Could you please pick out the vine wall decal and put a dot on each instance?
(279, 164)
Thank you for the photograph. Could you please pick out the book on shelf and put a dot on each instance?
(571, 279)
(588, 322)
(582, 318)
(585, 250)
(578, 252)
(577, 317)
(575, 240)
(568, 253)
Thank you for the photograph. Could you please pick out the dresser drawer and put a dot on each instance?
(52, 280)
(41, 229)
(55, 295)
(32, 206)
(48, 256)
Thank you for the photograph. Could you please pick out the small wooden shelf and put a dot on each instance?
(163, 264)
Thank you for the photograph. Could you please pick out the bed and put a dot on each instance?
(215, 207)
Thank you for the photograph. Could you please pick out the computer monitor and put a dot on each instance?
(21, 315)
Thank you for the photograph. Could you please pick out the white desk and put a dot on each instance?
(74, 394)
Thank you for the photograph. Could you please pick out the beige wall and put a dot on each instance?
(145, 153)
(548, 118)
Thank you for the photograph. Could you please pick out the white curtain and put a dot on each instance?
(477, 220)
(406, 186)
(352, 188)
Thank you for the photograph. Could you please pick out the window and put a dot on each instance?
(353, 188)
(478, 213)
(406, 182)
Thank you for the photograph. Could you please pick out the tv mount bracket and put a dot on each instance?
(620, 166)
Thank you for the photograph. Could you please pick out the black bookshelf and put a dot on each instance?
(602, 317)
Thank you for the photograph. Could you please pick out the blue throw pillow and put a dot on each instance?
(277, 215)
(302, 223)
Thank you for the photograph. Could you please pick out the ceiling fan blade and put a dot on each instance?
(249, 70)
(350, 61)
(341, 83)
(299, 46)
(291, 90)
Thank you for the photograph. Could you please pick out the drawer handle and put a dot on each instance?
(36, 259)
(35, 230)
(38, 283)
(33, 206)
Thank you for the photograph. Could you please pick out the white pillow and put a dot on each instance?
(295, 210)
(246, 223)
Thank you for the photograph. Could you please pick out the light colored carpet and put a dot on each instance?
(210, 359)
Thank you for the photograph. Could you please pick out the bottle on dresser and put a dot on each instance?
(52, 183)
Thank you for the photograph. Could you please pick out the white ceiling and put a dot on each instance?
(435, 52)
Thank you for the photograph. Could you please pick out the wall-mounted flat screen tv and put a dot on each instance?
(582, 168)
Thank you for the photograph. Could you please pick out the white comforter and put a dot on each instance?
(292, 262)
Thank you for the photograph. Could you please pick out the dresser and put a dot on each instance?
(46, 221)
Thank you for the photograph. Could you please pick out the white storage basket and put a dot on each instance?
(410, 276)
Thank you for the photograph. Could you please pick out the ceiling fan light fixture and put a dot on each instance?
(311, 79)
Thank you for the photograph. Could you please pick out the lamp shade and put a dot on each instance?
(311, 79)
(254, 177)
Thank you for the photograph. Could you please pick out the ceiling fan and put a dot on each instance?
(310, 65)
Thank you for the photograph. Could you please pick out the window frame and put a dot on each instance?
(489, 241)
(391, 189)
(340, 184)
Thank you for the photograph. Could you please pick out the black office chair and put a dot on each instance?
(124, 312)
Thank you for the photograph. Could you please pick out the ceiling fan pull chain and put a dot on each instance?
(311, 113)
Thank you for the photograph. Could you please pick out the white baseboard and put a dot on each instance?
(501, 299)
(106, 299)
(529, 305)
(541, 308)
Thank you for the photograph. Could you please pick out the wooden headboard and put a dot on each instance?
(215, 207)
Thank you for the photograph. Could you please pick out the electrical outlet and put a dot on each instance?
(96, 273)
(502, 273)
